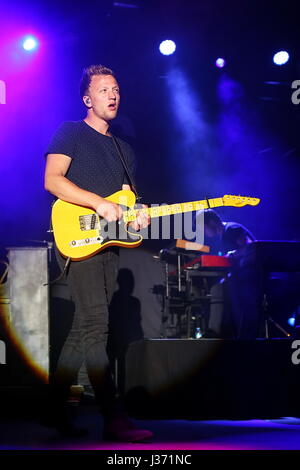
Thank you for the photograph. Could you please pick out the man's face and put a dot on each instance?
(104, 96)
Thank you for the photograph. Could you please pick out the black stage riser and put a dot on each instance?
(212, 379)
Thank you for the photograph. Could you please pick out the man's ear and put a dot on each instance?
(87, 101)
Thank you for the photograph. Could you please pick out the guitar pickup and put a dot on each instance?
(88, 222)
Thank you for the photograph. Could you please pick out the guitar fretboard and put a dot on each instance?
(172, 209)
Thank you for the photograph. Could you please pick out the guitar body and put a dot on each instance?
(79, 232)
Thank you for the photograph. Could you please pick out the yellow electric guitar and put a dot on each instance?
(80, 232)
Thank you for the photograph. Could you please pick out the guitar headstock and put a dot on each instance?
(240, 201)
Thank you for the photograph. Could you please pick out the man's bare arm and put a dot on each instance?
(57, 184)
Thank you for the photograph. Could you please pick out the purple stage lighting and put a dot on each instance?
(281, 57)
(29, 43)
(220, 63)
(167, 47)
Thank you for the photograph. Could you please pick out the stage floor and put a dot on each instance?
(25, 433)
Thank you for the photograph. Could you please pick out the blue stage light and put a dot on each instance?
(281, 57)
(30, 43)
(167, 47)
(291, 321)
(220, 63)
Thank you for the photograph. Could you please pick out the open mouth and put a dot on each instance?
(112, 106)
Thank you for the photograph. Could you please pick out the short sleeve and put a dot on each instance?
(64, 140)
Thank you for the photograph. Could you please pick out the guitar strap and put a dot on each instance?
(127, 172)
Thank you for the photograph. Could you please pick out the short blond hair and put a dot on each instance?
(87, 75)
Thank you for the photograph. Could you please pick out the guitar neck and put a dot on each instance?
(172, 209)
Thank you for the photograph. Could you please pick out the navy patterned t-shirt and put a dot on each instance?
(95, 165)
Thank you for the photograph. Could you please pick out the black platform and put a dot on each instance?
(179, 378)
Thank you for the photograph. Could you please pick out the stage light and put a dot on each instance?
(30, 43)
(167, 47)
(291, 321)
(281, 57)
(220, 63)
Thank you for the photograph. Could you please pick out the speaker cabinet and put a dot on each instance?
(24, 319)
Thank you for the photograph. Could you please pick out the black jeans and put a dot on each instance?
(92, 283)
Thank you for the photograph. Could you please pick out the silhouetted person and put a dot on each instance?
(124, 323)
(233, 308)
